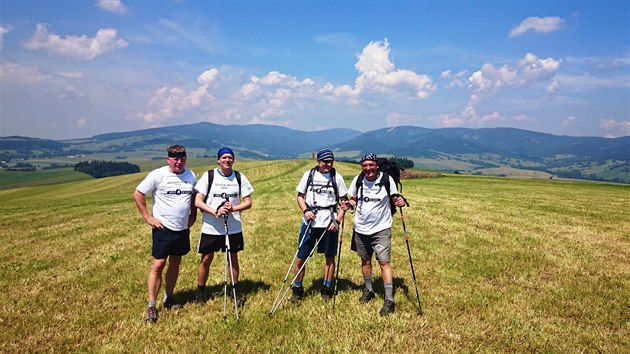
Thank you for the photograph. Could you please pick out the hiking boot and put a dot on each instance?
(298, 294)
(388, 307)
(240, 300)
(200, 297)
(152, 314)
(171, 304)
(367, 296)
(327, 292)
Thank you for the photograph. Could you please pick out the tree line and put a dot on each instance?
(100, 168)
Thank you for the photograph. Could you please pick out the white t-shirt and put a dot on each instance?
(223, 187)
(171, 196)
(321, 194)
(373, 212)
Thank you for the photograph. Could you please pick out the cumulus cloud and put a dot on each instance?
(277, 98)
(82, 47)
(569, 121)
(530, 70)
(455, 80)
(22, 74)
(397, 119)
(524, 118)
(4, 30)
(167, 102)
(81, 122)
(615, 128)
(115, 6)
(538, 24)
(378, 73)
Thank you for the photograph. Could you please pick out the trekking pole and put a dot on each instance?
(228, 255)
(298, 272)
(225, 270)
(413, 272)
(338, 261)
(286, 276)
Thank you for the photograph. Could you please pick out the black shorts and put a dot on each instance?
(167, 242)
(327, 244)
(214, 243)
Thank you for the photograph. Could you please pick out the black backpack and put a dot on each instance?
(333, 181)
(211, 179)
(388, 169)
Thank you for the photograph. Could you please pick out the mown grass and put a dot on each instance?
(503, 265)
(16, 179)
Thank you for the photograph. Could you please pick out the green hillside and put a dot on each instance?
(503, 265)
(16, 179)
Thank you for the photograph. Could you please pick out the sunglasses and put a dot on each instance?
(328, 161)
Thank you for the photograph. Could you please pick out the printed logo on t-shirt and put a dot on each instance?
(178, 192)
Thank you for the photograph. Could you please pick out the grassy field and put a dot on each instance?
(503, 265)
(15, 179)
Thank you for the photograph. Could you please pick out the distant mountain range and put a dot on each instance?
(497, 151)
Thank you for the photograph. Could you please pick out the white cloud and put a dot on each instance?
(524, 118)
(274, 97)
(397, 119)
(4, 30)
(81, 47)
(530, 70)
(71, 74)
(378, 73)
(614, 128)
(81, 122)
(22, 74)
(538, 24)
(446, 120)
(569, 121)
(455, 80)
(113, 6)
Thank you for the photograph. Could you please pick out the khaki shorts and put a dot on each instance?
(379, 243)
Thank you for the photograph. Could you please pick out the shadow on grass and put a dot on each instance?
(245, 288)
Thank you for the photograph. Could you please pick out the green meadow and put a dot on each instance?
(502, 265)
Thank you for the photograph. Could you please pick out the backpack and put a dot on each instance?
(333, 181)
(211, 178)
(387, 169)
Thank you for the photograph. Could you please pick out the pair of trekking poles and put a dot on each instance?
(228, 261)
(276, 303)
(278, 300)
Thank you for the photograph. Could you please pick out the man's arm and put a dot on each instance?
(201, 205)
(141, 203)
(192, 217)
(308, 214)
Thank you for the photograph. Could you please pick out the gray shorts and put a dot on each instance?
(379, 243)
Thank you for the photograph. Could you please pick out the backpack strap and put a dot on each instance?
(333, 178)
(333, 182)
(210, 179)
(385, 183)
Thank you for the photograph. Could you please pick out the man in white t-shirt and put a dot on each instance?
(319, 192)
(173, 213)
(229, 194)
(372, 227)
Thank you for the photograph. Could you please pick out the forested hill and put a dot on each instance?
(478, 151)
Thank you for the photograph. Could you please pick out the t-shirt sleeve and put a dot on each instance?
(393, 189)
(246, 187)
(341, 186)
(301, 187)
(148, 184)
(353, 187)
(202, 184)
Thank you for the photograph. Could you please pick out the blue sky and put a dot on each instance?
(73, 69)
